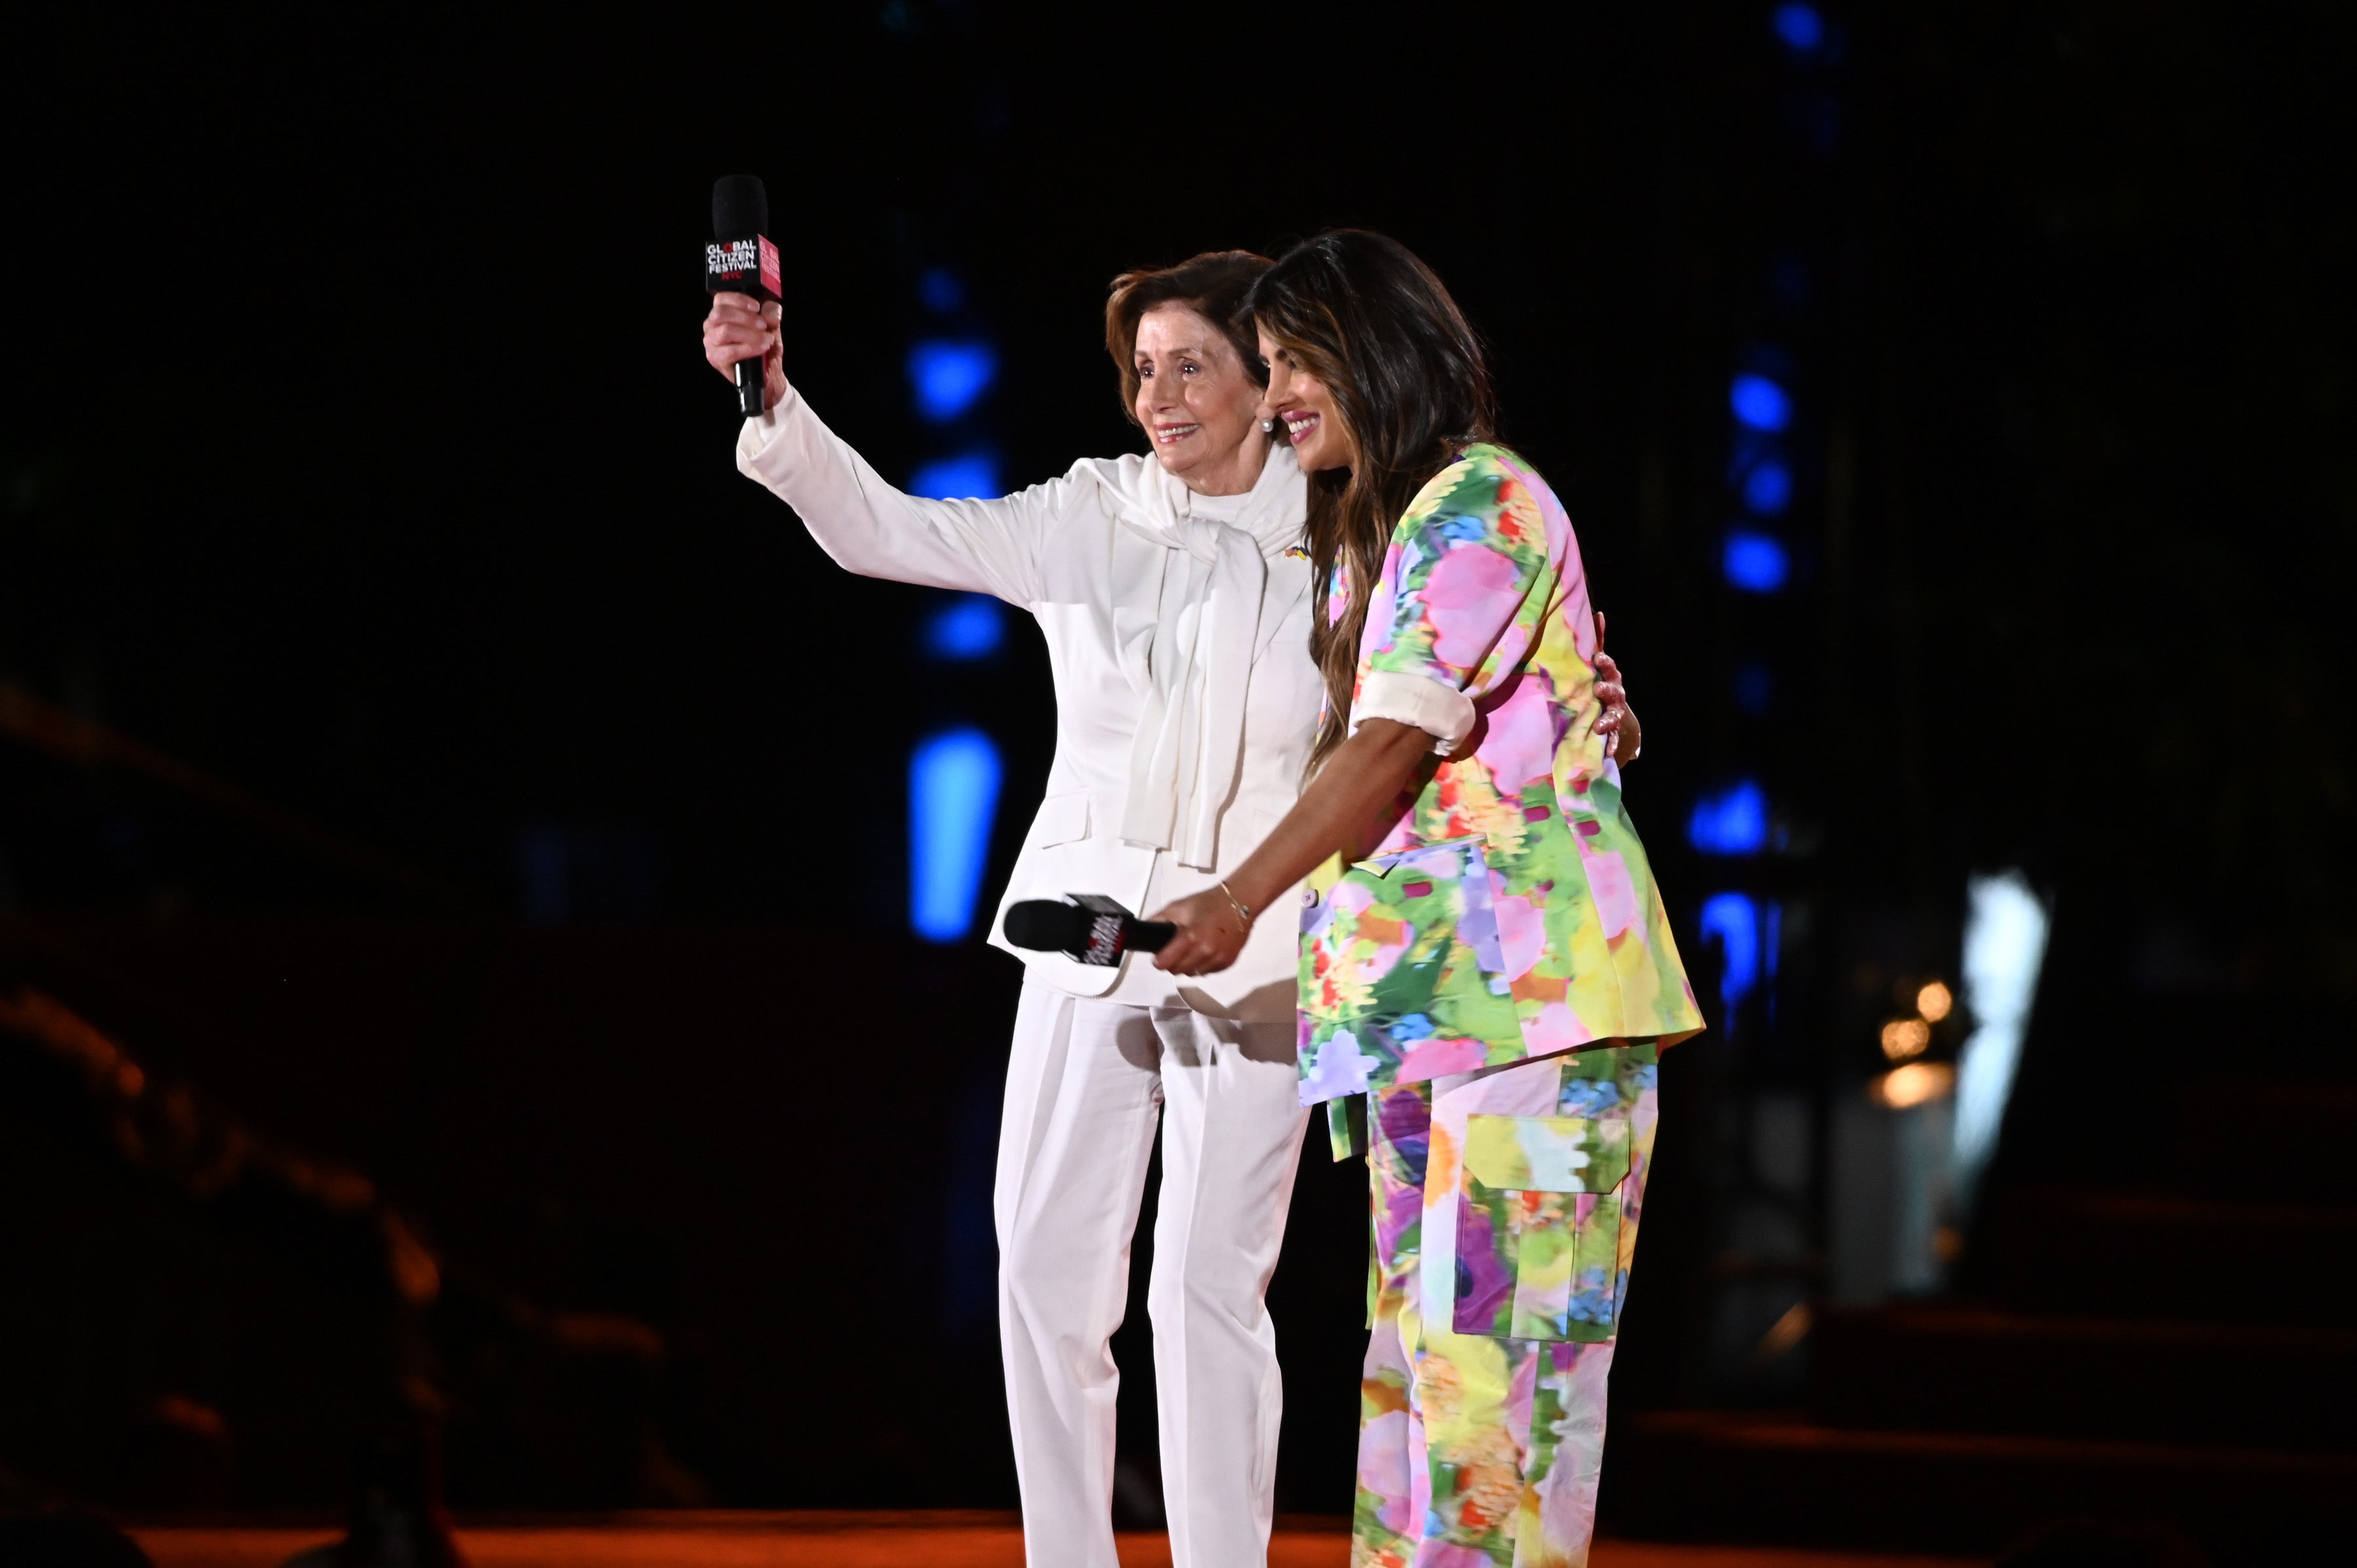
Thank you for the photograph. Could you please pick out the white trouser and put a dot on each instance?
(1085, 1084)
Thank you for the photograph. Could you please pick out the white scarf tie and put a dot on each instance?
(1185, 760)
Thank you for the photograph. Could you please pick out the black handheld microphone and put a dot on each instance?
(1089, 927)
(741, 260)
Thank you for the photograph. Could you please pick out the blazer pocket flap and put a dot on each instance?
(1061, 819)
(1547, 1153)
(1445, 859)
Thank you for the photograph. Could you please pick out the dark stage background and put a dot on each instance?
(357, 456)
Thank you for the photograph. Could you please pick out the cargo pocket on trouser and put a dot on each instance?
(1538, 1226)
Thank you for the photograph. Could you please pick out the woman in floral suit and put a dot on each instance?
(1483, 952)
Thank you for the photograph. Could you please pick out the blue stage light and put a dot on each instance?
(1761, 403)
(1788, 280)
(1733, 822)
(942, 291)
(970, 626)
(949, 376)
(1802, 27)
(1734, 920)
(1755, 688)
(954, 779)
(1755, 563)
(1768, 489)
(974, 473)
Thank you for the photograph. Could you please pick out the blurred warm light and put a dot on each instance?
(184, 1414)
(415, 1273)
(1904, 1038)
(1915, 1084)
(1784, 1334)
(1935, 1001)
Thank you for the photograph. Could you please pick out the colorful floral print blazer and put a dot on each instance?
(1511, 912)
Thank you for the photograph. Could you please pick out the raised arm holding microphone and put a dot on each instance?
(1175, 596)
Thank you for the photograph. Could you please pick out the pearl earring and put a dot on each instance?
(1268, 426)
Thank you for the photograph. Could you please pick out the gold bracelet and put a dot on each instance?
(1242, 909)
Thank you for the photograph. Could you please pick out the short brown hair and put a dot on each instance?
(1213, 286)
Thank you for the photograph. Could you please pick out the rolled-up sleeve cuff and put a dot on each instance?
(1439, 710)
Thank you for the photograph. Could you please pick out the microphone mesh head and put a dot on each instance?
(740, 207)
(1043, 925)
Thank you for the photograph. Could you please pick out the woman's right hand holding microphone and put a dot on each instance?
(742, 328)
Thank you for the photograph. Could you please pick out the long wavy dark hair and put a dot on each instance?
(1411, 386)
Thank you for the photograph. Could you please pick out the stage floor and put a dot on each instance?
(865, 1541)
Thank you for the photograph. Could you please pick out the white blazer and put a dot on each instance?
(1088, 555)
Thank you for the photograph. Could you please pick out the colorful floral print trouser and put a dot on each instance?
(1505, 1215)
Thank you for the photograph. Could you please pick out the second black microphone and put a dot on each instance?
(1088, 927)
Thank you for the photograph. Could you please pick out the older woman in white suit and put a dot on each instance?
(1175, 601)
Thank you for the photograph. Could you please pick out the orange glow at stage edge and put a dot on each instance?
(878, 1541)
(1935, 1001)
(1917, 1084)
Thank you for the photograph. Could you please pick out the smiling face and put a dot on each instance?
(1198, 402)
(1307, 409)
